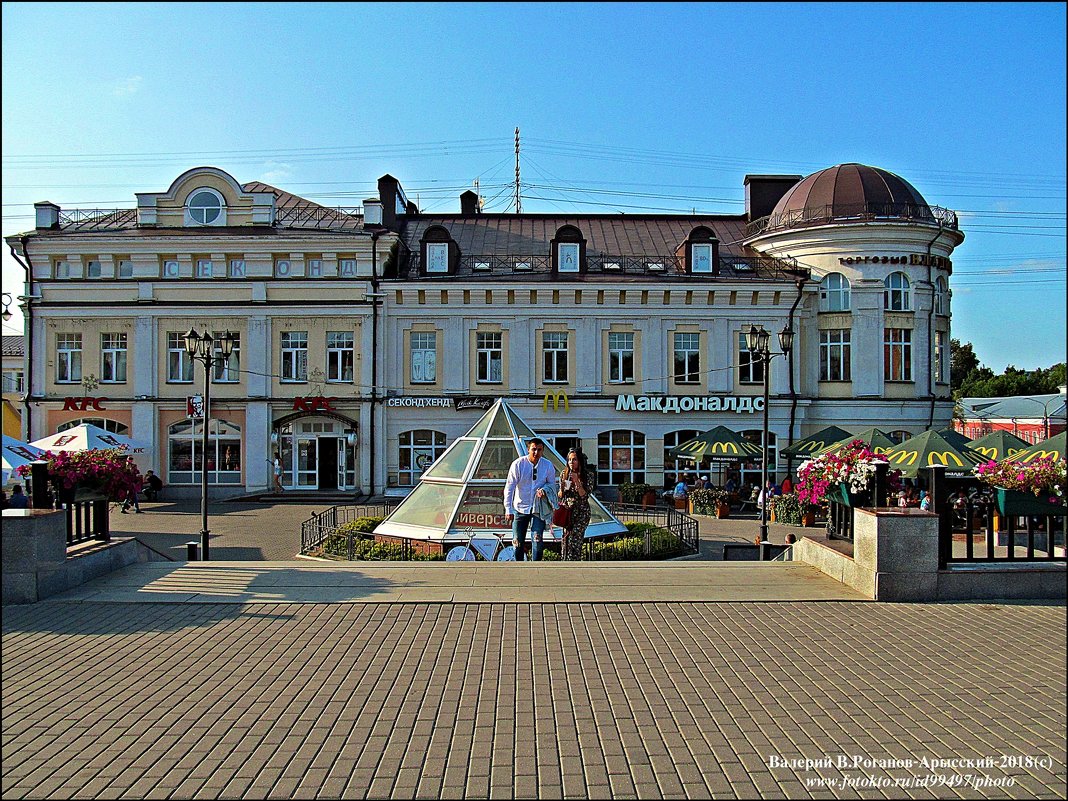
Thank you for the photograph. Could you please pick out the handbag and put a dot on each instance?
(562, 516)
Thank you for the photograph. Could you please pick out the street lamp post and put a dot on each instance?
(201, 347)
(757, 342)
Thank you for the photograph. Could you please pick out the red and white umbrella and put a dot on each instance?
(16, 454)
(87, 437)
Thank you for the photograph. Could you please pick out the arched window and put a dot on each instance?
(99, 422)
(568, 250)
(703, 251)
(620, 457)
(185, 456)
(834, 293)
(673, 467)
(941, 296)
(205, 207)
(897, 294)
(418, 450)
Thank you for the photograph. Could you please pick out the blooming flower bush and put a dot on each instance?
(705, 501)
(108, 471)
(852, 465)
(1041, 477)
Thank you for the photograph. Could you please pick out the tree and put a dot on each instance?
(971, 379)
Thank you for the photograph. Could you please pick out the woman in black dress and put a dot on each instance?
(576, 484)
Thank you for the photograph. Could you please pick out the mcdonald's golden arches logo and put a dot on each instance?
(557, 398)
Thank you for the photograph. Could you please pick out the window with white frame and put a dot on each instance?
(185, 452)
(204, 268)
(554, 357)
(237, 268)
(940, 357)
(12, 380)
(750, 366)
(896, 294)
(340, 356)
(68, 358)
(941, 296)
(701, 258)
(424, 357)
(294, 355)
(489, 357)
(112, 426)
(437, 257)
(418, 450)
(835, 358)
(113, 358)
(620, 457)
(93, 269)
(228, 370)
(347, 268)
(205, 207)
(620, 357)
(834, 293)
(315, 268)
(687, 359)
(283, 268)
(179, 362)
(897, 354)
(567, 257)
(125, 268)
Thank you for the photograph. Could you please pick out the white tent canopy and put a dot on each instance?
(87, 437)
(16, 454)
(463, 491)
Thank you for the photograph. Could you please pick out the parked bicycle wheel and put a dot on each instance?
(461, 553)
(507, 554)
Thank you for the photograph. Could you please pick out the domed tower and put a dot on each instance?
(877, 315)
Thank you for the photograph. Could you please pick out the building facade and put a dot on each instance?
(369, 339)
(1032, 418)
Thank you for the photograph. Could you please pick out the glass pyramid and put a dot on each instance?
(462, 494)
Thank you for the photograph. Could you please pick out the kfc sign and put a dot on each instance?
(315, 404)
(85, 404)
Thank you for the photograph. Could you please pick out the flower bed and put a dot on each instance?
(852, 468)
(707, 501)
(1043, 478)
(107, 472)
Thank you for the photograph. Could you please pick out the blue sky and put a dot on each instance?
(622, 107)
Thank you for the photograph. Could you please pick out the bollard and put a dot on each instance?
(192, 551)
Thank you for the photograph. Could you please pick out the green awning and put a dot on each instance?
(931, 448)
(876, 440)
(998, 445)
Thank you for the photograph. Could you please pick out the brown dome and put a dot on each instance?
(849, 192)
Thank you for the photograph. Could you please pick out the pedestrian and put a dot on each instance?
(925, 501)
(131, 495)
(787, 486)
(277, 468)
(576, 484)
(153, 486)
(18, 499)
(528, 477)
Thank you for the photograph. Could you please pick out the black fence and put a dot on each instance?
(317, 529)
(840, 513)
(87, 520)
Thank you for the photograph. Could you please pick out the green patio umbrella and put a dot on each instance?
(814, 443)
(931, 448)
(955, 437)
(718, 444)
(1054, 446)
(998, 445)
(875, 439)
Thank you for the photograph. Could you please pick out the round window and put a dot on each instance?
(204, 207)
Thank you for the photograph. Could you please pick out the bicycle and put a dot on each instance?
(492, 549)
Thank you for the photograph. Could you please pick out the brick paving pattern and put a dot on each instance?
(655, 700)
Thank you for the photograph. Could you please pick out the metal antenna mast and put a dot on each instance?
(518, 199)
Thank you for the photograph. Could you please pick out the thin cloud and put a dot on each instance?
(124, 87)
(275, 171)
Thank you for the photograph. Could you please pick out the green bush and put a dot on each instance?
(705, 501)
(787, 508)
(632, 493)
(362, 525)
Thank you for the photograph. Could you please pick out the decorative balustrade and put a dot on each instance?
(857, 212)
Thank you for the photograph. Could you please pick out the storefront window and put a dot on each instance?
(99, 422)
(675, 467)
(185, 456)
(620, 457)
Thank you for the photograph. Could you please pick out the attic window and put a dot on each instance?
(205, 207)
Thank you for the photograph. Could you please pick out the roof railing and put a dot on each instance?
(854, 212)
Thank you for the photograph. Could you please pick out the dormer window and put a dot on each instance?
(568, 250)
(205, 207)
(703, 251)
(438, 251)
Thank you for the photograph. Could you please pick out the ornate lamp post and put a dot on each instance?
(756, 341)
(202, 348)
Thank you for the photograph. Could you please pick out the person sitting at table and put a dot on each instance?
(153, 486)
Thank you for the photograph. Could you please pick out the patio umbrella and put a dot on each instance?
(719, 444)
(874, 439)
(1054, 446)
(955, 437)
(814, 443)
(16, 454)
(87, 437)
(998, 445)
(931, 448)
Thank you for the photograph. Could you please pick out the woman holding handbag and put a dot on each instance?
(576, 484)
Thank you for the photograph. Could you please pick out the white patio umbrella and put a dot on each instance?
(16, 454)
(87, 437)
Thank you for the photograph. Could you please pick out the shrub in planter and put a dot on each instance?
(362, 525)
(707, 501)
(788, 509)
(632, 493)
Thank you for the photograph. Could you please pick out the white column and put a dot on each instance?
(143, 357)
(257, 446)
(256, 353)
(867, 338)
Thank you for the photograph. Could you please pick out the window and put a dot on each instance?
(437, 257)
(687, 358)
(340, 356)
(204, 268)
(205, 207)
(673, 468)
(941, 298)
(620, 358)
(554, 356)
(567, 255)
(237, 268)
(701, 256)
(750, 366)
(940, 357)
(283, 268)
(424, 362)
(226, 371)
(113, 358)
(896, 295)
(489, 358)
(185, 452)
(897, 354)
(12, 380)
(621, 457)
(347, 268)
(100, 422)
(93, 269)
(295, 356)
(315, 268)
(418, 450)
(125, 268)
(68, 358)
(834, 293)
(63, 269)
(179, 363)
(170, 268)
(835, 355)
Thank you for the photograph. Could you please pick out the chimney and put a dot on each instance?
(470, 203)
(47, 214)
(372, 212)
(762, 192)
(388, 187)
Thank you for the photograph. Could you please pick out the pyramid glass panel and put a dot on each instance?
(453, 462)
(480, 428)
(482, 509)
(499, 427)
(496, 458)
(429, 505)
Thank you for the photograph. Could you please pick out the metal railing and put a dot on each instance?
(301, 215)
(680, 526)
(858, 212)
(840, 514)
(319, 527)
(87, 520)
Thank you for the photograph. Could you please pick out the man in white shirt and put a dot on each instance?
(528, 480)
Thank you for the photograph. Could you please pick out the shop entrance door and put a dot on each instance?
(328, 463)
(307, 463)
